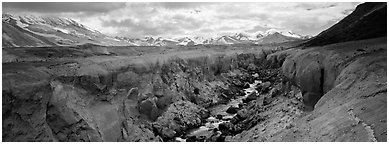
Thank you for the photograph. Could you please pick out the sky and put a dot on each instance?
(177, 19)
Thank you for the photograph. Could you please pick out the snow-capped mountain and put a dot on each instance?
(287, 33)
(208, 41)
(198, 40)
(160, 41)
(225, 40)
(243, 36)
(150, 41)
(165, 42)
(270, 36)
(186, 41)
(28, 30)
(258, 35)
(276, 38)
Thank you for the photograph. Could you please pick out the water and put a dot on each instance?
(211, 122)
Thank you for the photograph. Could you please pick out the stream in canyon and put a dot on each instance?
(218, 115)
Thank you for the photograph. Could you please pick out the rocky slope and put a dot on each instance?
(343, 89)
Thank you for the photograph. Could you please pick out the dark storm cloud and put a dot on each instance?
(58, 7)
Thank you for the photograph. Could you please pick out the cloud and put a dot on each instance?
(134, 28)
(182, 5)
(58, 7)
(205, 19)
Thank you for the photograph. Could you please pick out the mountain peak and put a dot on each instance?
(287, 33)
(30, 30)
(27, 19)
(272, 31)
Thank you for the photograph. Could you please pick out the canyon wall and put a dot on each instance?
(114, 100)
(343, 89)
(345, 86)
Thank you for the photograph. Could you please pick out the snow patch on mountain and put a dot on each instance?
(22, 25)
(186, 41)
(62, 30)
(287, 33)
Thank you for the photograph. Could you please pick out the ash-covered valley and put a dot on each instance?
(62, 81)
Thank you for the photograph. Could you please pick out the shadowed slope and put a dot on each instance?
(367, 21)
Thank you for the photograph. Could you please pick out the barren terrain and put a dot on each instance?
(327, 88)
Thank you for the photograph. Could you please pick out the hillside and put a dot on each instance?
(30, 31)
(367, 21)
(277, 38)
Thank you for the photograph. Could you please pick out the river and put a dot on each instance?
(207, 128)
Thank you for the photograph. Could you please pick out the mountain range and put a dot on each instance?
(270, 36)
(32, 31)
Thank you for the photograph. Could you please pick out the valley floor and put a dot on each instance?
(93, 93)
